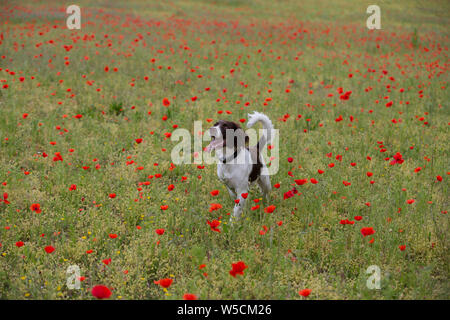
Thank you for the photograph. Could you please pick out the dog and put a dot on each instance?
(238, 165)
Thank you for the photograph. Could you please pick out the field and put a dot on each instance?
(87, 119)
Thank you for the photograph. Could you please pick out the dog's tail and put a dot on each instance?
(266, 124)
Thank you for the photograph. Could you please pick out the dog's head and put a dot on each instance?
(226, 134)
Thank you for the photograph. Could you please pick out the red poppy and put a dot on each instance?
(214, 193)
(398, 158)
(19, 244)
(101, 292)
(49, 249)
(165, 283)
(270, 209)
(166, 102)
(112, 195)
(301, 181)
(367, 231)
(5, 198)
(305, 292)
(238, 268)
(36, 207)
(214, 224)
(214, 206)
(189, 296)
(159, 231)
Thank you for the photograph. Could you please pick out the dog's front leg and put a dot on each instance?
(232, 193)
(239, 207)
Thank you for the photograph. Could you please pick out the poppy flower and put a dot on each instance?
(166, 102)
(214, 206)
(214, 224)
(101, 292)
(398, 158)
(238, 268)
(19, 244)
(5, 198)
(165, 283)
(36, 207)
(305, 292)
(402, 247)
(367, 231)
(270, 209)
(189, 296)
(301, 181)
(170, 187)
(49, 249)
(112, 195)
(214, 193)
(164, 207)
(72, 187)
(159, 231)
(410, 201)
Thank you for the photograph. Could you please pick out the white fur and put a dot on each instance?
(235, 174)
(267, 126)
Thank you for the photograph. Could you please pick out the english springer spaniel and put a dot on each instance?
(238, 164)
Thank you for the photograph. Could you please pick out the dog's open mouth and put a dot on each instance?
(215, 143)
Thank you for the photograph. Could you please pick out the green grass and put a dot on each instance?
(317, 44)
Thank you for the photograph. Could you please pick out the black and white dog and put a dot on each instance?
(239, 165)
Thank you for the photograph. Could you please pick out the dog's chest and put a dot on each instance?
(233, 175)
(224, 173)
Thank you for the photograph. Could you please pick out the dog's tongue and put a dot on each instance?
(213, 145)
